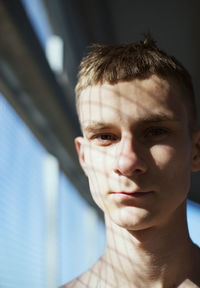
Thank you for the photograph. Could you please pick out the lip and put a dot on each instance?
(136, 194)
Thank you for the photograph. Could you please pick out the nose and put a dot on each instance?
(129, 159)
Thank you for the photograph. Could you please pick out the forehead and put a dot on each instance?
(131, 101)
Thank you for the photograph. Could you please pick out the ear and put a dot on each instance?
(196, 150)
(79, 143)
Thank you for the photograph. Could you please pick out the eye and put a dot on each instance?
(156, 132)
(105, 139)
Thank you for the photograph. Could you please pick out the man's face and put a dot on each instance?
(136, 150)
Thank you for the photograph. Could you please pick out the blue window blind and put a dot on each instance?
(22, 222)
(38, 215)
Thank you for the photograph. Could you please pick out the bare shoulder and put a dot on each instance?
(76, 283)
(196, 267)
(88, 279)
(197, 255)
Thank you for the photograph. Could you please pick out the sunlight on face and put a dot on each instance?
(136, 150)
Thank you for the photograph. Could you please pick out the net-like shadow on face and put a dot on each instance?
(136, 157)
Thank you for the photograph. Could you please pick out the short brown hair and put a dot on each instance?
(134, 61)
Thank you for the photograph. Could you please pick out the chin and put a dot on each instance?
(131, 220)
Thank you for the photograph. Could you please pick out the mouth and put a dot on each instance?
(138, 194)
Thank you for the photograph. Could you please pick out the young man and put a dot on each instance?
(140, 143)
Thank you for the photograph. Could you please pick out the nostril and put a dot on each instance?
(138, 171)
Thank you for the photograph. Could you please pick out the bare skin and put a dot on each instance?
(131, 261)
(138, 134)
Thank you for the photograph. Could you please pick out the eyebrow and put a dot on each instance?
(97, 126)
(160, 118)
(92, 126)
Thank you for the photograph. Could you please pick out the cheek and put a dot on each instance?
(168, 156)
(98, 165)
(173, 167)
(163, 156)
(98, 160)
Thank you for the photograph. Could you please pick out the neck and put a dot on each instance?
(152, 256)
